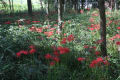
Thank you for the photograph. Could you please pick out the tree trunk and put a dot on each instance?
(10, 5)
(41, 4)
(59, 16)
(29, 3)
(82, 4)
(102, 26)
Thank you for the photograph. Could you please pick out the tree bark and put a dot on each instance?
(10, 5)
(29, 3)
(102, 26)
(59, 16)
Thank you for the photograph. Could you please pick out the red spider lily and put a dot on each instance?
(81, 11)
(117, 36)
(35, 21)
(39, 30)
(56, 59)
(80, 59)
(99, 59)
(118, 43)
(18, 54)
(97, 52)
(48, 56)
(65, 34)
(64, 41)
(88, 9)
(32, 51)
(33, 28)
(48, 34)
(70, 38)
(95, 62)
(56, 53)
(106, 62)
(52, 29)
(63, 50)
(32, 46)
(8, 22)
(86, 46)
(56, 25)
(52, 63)
(118, 28)
(21, 52)
(91, 28)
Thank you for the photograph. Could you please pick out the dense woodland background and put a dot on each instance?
(59, 40)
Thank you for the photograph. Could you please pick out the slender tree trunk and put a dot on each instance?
(41, 4)
(82, 2)
(102, 26)
(29, 3)
(115, 4)
(65, 1)
(10, 5)
(59, 16)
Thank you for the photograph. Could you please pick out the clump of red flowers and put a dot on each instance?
(94, 27)
(54, 58)
(80, 59)
(25, 52)
(118, 43)
(98, 62)
(33, 28)
(68, 39)
(8, 22)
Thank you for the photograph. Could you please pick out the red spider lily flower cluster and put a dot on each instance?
(81, 11)
(117, 36)
(25, 52)
(35, 21)
(8, 22)
(98, 62)
(97, 53)
(54, 58)
(80, 59)
(63, 50)
(118, 43)
(91, 47)
(94, 27)
(88, 9)
(118, 28)
(49, 33)
(68, 39)
(33, 28)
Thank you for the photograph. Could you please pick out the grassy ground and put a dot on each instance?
(75, 56)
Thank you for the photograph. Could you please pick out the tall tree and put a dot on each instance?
(10, 6)
(29, 3)
(102, 26)
(59, 16)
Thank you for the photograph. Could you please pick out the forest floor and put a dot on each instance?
(32, 49)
